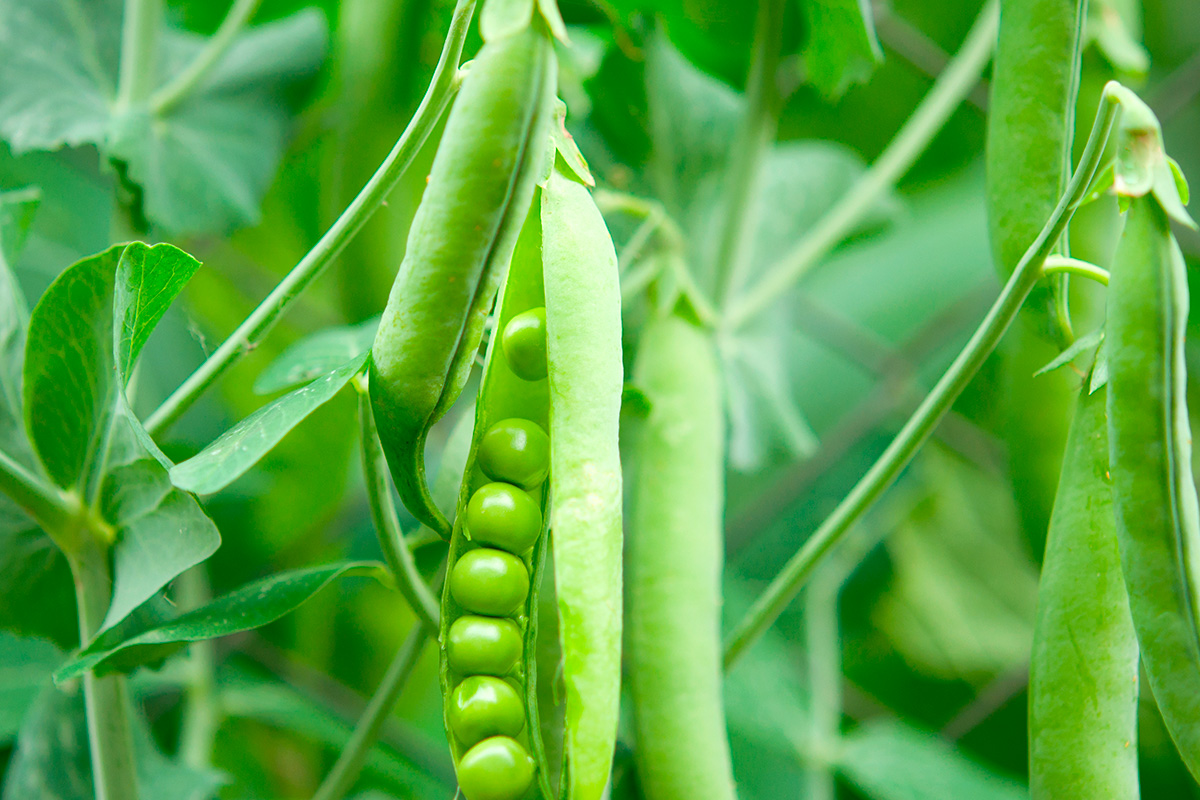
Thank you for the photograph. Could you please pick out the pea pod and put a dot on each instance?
(583, 348)
(1035, 76)
(503, 397)
(459, 245)
(675, 555)
(1083, 673)
(1158, 524)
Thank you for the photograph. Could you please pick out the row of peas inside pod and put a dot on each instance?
(497, 553)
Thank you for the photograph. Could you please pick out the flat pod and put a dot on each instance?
(674, 562)
(431, 326)
(1083, 672)
(1150, 453)
(583, 345)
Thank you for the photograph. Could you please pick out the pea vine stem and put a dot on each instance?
(180, 86)
(139, 52)
(387, 524)
(948, 92)
(42, 502)
(442, 87)
(780, 592)
(346, 769)
(750, 147)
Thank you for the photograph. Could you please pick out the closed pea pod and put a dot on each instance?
(459, 245)
(1083, 673)
(675, 556)
(583, 347)
(1158, 524)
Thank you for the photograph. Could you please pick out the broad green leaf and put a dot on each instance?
(16, 214)
(25, 667)
(240, 448)
(842, 48)
(203, 163)
(252, 606)
(69, 371)
(888, 760)
(315, 355)
(148, 281)
(52, 761)
(161, 531)
(37, 596)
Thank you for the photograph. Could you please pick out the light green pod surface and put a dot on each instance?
(583, 344)
(675, 556)
(1158, 524)
(452, 246)
(1030, 117)
(1083, 673)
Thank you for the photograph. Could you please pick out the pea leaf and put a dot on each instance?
(1079, 346)
(37, 596)
(52, 759)
(202, 163)
(148, 281)
(842, 48)
(888, 760)
(69, 370)
(16, 214)
(252, 606)
(25, 667)
(241, 447)
(316, 355)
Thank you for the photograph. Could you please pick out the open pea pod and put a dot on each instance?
(1154, 496)
(1083, 672)
(583, 329)
(462, 237)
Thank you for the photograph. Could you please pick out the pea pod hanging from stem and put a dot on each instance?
(461, 240)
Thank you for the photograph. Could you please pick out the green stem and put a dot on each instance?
(750, 147)
(180, 86)
(139, 52)
(110, 733)
(350, 762)
(954, 84)
(44, 503)
(823, 647)
(916, 430)
(442, 88)
(387, 524)
(201, 716)
(1065, 265)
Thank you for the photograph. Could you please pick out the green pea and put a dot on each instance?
(524, 343)
(498, 768)
(515, 451)
(483, 706)
(483, 645)
(490, 582)
(501, 515)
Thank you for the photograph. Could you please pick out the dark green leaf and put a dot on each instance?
(240, 448)
(315, 355)
(247, 608)
(16, 214)
(52, 761)
(25, 667)
(888, 760)
(37, 596)
(842, 48)
(148, 281)
(69, 369)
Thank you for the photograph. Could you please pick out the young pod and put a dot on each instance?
(459, 246)
(1154, 496)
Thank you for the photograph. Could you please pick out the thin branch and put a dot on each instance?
(191, 76)
(139, 52)
(910, 141)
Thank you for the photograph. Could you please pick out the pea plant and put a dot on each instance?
(766, 403)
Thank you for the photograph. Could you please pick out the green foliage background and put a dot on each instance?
(936, 620)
